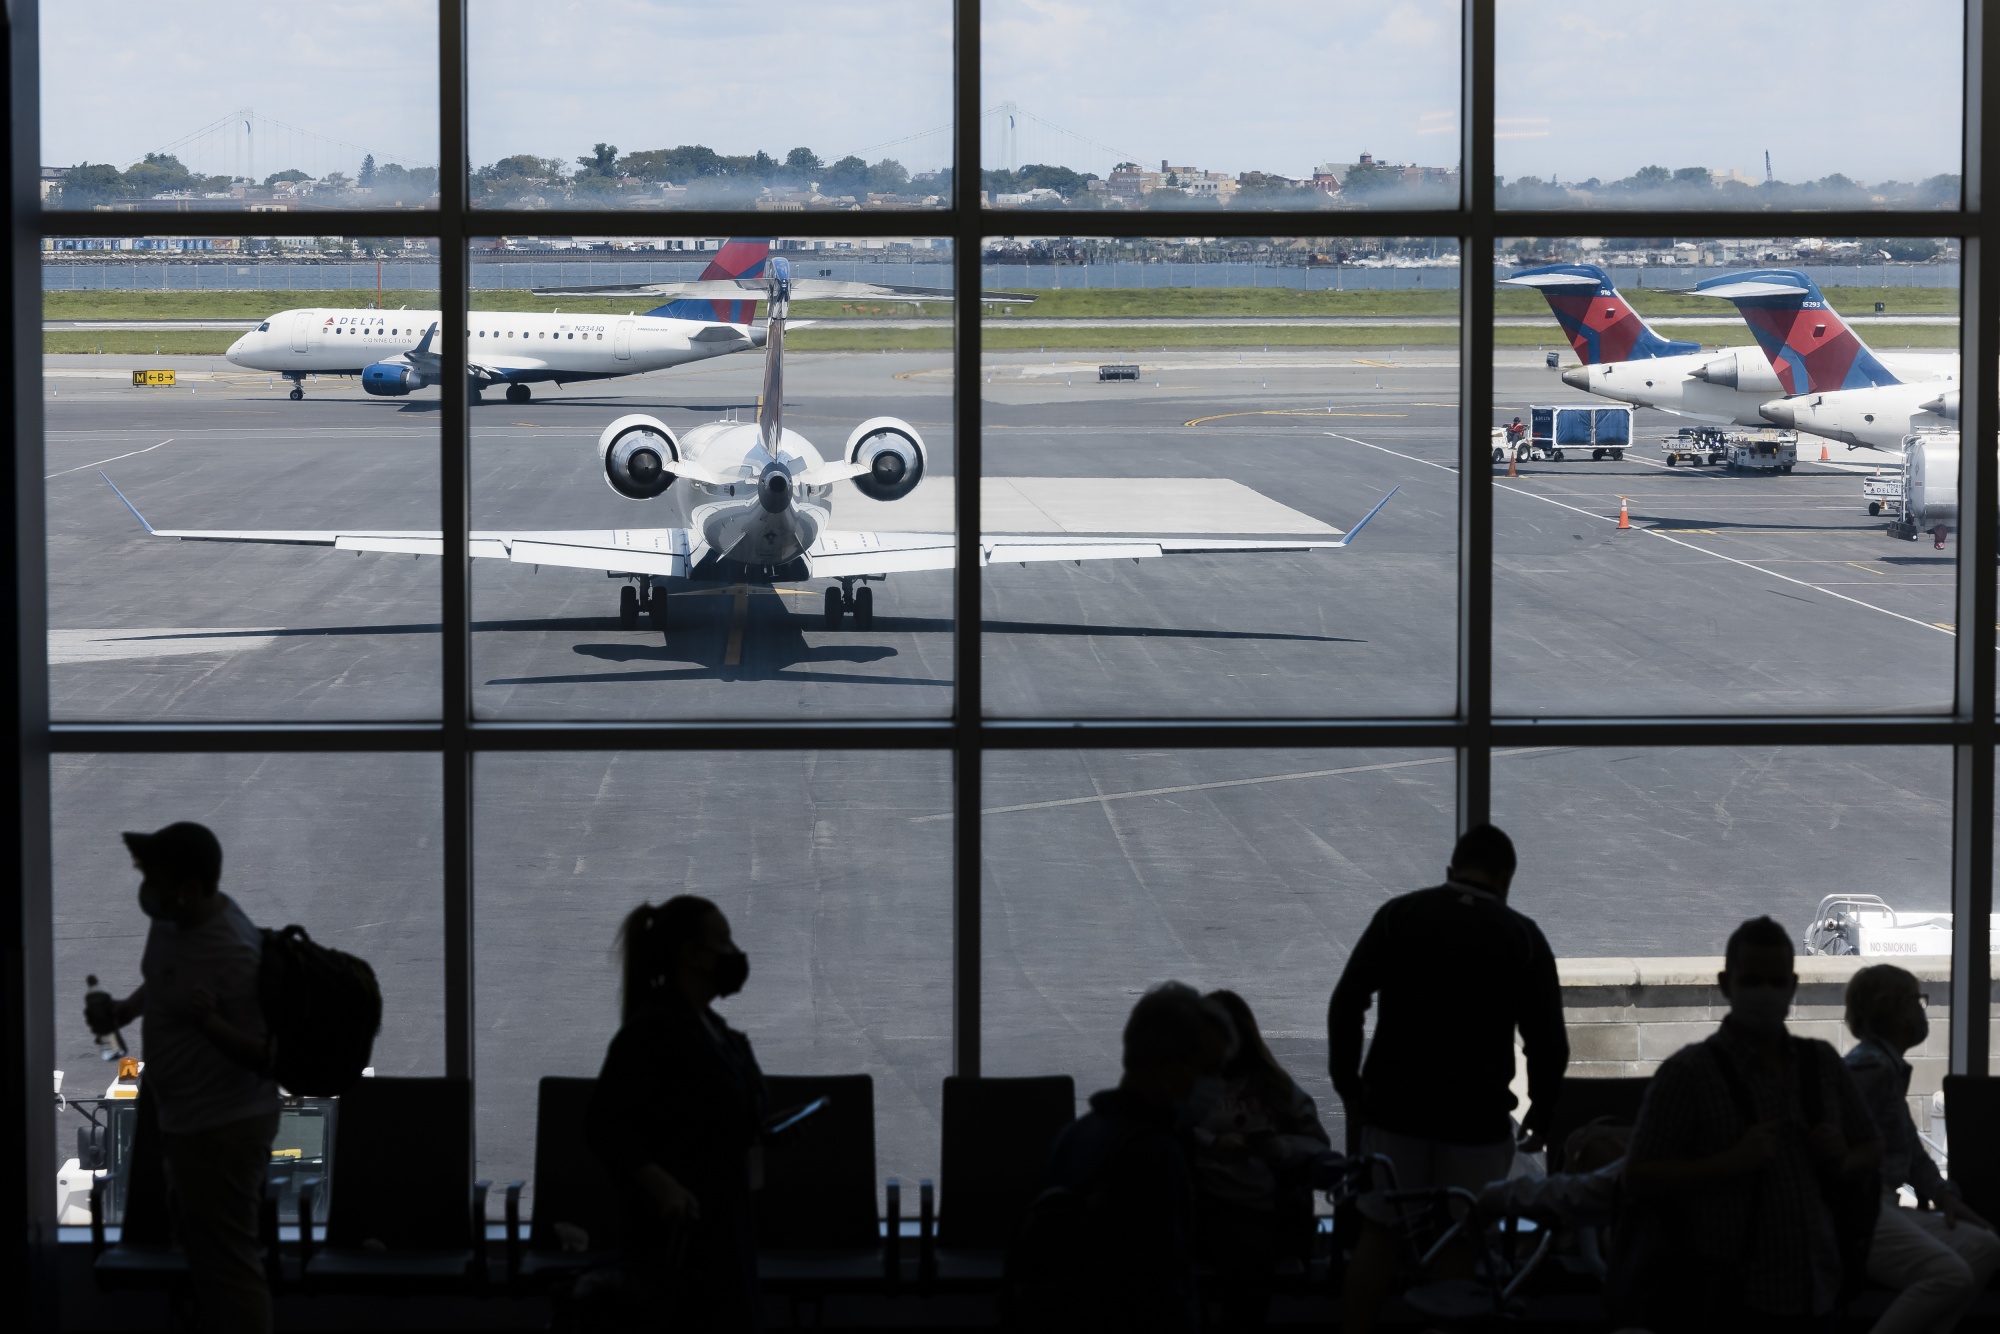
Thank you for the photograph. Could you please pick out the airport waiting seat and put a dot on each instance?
(1972, 1121)
(1582, 1101)
(403, 1215)
(818, 1231)
(144, 1256)
(577, 1210)
(997, 1135)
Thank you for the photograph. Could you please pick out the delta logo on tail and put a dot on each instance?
(1809, 345)
(738, 258)
(1601, 325)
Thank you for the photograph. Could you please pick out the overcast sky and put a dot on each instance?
(1276, 85)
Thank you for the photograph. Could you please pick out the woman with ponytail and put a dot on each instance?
(675, 1118)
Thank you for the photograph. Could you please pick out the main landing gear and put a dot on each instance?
(654, 604)
(519, 393)
(847, 598)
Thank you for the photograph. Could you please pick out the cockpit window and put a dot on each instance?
(265, 327)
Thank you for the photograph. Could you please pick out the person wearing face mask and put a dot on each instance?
(1749, 1150)
(206, 1074)
(675, 1120)
(1940, 1254)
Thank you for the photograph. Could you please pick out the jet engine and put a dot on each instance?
(894, 453)
(391, 379)
(638, 453)
(1739, 370)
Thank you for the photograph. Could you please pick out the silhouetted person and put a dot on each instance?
(205, 1051)
(1125, 1158)
(1940, 1254)
(1254, 1131)
(1456, 972)
(675, 1119)
(1741, 1143)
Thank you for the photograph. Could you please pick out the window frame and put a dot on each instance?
(1472, 732)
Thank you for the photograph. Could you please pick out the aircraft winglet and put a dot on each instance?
(1350, 534)
(128, 504)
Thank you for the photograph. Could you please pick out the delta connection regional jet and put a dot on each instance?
(393, 353)
(751, 504)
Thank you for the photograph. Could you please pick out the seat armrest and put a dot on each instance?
(100, 1196)
(308, 1202)
(892, 1242)
(479, 1192)
(514, 1231)
(926, 1234)
(267, 1230)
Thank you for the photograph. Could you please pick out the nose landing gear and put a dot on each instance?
(298, 387)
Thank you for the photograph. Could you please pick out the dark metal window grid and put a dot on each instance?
(1472, 733)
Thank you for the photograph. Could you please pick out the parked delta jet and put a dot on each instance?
(752, 504)
(392, 351)
(1624, 359)
(1832, 384)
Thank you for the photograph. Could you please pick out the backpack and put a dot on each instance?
(322, 1009)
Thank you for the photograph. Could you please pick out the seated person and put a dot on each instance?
(1941, 1253)
(1254, 1132)
(1124, 1165)
(1581, 1200)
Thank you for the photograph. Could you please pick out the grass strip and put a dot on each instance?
(1049, 303)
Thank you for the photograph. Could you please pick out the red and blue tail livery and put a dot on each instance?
(1809, 345)
(1601, 325)
(739, 258)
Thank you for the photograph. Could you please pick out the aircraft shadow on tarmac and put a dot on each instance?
(772, 647)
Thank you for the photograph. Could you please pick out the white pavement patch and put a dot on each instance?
(1169, 506)
(71, 646)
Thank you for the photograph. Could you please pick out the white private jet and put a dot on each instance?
(392, 352)
(751, 504)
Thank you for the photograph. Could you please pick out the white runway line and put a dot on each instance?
(74, 646)
(1733, 560)
(1103, 797)
(113, 459)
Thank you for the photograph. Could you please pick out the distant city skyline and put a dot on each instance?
(1267, 85)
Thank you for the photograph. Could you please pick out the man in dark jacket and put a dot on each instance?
(1125, 1158)
(1457, 972)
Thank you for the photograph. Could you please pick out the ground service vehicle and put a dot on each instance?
(1863, 925)
(1555, 428)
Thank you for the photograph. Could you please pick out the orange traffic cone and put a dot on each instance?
(1511, 471)
(1823, 455)
(1624, 515)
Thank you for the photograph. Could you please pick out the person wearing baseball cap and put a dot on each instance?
(207, 1061)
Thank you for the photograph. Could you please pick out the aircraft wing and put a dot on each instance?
(840, 553)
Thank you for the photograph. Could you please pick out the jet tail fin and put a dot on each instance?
(740, 257)
(1809, 346)
(1601, 325)
(771, 407)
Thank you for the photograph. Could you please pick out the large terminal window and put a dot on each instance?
(1014, 502)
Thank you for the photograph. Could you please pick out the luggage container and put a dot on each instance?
(1556, 429)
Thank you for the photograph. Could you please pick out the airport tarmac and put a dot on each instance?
(1105, 872)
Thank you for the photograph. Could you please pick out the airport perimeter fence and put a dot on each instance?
(488, 273)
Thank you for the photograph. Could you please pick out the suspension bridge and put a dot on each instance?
(248, 145)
